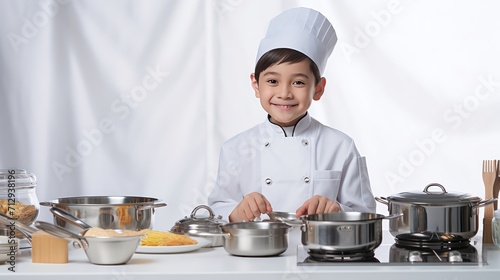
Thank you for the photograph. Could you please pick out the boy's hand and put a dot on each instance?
(316, 205)
(251, 207)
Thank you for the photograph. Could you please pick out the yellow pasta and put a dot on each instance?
(161, 238)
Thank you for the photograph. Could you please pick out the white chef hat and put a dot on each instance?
(301, 29)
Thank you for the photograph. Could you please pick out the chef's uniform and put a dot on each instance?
(289, 166)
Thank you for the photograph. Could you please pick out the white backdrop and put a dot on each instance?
(136, 97)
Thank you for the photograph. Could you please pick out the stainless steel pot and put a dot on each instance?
(254, 239)
(343, 231)
(194, 225)
(108, 212)
(99, 249)
(439, 215)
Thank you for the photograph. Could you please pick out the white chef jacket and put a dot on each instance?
(288, 170)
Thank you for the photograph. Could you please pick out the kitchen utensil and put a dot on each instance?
(343, 231)
(489, 176)
(254, 239)
(439, 215)
(99, 249)
(108, 212)
(24, 229)
(287, 217)
(194, 225)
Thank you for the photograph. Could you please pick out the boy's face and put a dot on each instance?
(286, 91)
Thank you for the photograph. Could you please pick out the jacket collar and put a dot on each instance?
(297, 130)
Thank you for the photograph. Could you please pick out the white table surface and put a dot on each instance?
(216, 263)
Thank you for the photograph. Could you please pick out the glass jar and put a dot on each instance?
(18, 199)
(495, 227)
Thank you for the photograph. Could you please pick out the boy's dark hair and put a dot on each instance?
(278, 56)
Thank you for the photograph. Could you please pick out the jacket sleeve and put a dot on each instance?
(355, 192)
(225, 195)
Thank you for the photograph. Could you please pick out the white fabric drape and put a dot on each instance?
(136, 97)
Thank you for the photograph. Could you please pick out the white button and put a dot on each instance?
(307, 180)
(267, 144)
(305, 142)
(269, 181)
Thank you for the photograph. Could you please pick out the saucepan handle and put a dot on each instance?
(382, 200)
(62, 233)
(67, 217)
(210, 234)
(393, 216)
(47, 203)
(485, 202)
(151, 206)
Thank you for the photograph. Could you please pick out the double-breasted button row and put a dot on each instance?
(304, 142)
(269, 182)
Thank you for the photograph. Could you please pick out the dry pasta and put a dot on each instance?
(161, 238)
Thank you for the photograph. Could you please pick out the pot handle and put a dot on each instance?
(211, 214)
(289, 222)
(47, 203)
(78, 241)
(210, 234)
(426, 189)
(393, 216)
(150, 206)
(485, 202)
(382, 200)
(67, 217)
(23, 228)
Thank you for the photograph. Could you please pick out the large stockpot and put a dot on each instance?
(434, 216)
(108, 212)
(254, 239)
(343, 231)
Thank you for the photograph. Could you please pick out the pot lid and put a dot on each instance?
(16, 178)
(194, 224)
(437, 197)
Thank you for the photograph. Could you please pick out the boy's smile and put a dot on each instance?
(286, 91)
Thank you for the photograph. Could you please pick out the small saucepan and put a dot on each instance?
(343, 231)
(99, 250)
(253, 239)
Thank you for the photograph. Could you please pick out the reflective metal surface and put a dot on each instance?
(108, 212)
(391, 254)
(255, 238)
(342, 231)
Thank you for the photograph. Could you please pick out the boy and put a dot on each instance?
(291, 162)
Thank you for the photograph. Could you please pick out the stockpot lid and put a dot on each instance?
(17, 178)
(433, 197)
(194, 224)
